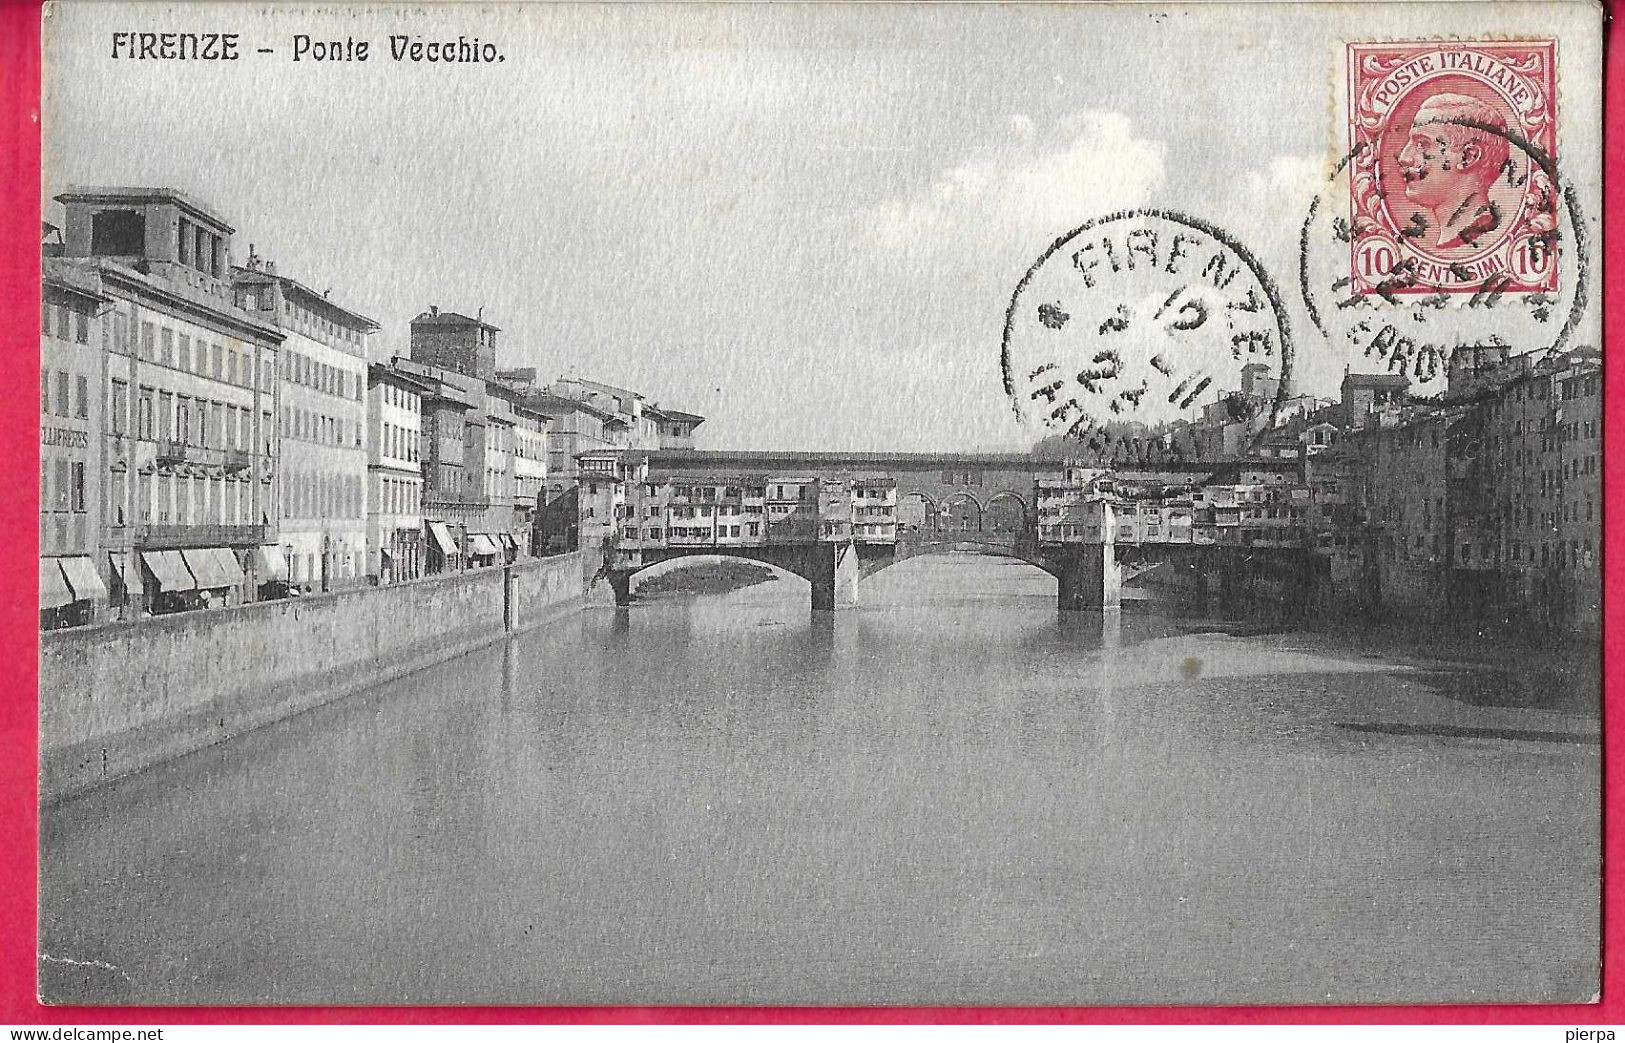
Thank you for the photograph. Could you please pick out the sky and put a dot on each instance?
(803, 222)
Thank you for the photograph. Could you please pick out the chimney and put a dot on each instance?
(434, 309)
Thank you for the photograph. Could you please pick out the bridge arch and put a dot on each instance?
(961, 512)
(798, 560)
(873, 560)
(1007, 511)
(678, 563)
(917, 513)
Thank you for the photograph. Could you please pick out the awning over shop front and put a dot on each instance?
(443, 538)
(270, 565)
(121, 571)
(507, 541)
(169, 569)
(480, 545)
(226, 562)
(207, 570)
(53, 588)
(82, 577)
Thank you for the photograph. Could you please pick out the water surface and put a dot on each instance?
(950, 795)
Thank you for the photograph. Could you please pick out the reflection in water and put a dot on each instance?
(948, 795)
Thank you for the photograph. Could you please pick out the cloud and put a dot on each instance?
(1035, 185)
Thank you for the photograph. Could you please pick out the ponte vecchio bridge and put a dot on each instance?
(835, 519)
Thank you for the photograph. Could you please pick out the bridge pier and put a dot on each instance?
(833, 572)
(1088, 577)
(620, 581)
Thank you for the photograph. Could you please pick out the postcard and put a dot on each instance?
(820, 504)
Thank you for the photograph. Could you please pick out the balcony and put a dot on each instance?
(238, 459)
(151, 536)
(170, 453)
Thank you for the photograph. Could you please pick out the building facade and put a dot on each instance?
(321, 426)
(395, 533)
(454, 342)
(451, 461)
(186, 463)
(73, 359)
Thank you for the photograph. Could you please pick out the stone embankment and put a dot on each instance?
(119, 698)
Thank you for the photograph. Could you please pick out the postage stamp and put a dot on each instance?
(1446, 187)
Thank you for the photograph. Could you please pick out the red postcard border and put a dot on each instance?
(19, 299)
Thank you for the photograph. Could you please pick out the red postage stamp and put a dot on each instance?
(1452, 172)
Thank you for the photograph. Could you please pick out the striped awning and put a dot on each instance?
(53, 586)
(205, 568)
(226, 564)
(82, 577)
(442, 537)
(480, 545)
(169, 569)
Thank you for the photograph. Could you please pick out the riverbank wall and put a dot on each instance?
(118, 698)
(1524, 602)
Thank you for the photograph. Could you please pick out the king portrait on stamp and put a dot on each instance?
(1456, 149)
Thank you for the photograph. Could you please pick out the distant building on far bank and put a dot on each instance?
(1364, 393)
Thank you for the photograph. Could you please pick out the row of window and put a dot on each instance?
(67, 492)
(400, 496)
(311, 426)
(199, 248)
(1551, 481)
(308, 322)
(168, 347)
(59, 403)
(677, 532)
(529, 445)
(399, 397)
(1582, 387)
(174, 499)
(182, 419)
(1579, 429)
(1573, 554)
(69, 325)
(312, 494)
(299, 368)
(400, 443)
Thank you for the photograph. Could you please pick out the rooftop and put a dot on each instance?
(69, 276)
(1377, 380)
(301, 290)
(135, 195)
(676, 415)
(436, 317)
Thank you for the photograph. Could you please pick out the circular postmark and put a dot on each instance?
(1445, 234)
(1142, 315)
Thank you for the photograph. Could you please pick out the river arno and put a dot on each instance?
(949, 795)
